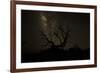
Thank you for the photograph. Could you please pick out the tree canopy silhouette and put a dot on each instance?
(61, 35)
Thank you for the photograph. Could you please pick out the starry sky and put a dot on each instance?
(32, 22)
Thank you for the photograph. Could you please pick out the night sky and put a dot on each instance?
(35, 21)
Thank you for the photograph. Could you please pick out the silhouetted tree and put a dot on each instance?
(61, 34)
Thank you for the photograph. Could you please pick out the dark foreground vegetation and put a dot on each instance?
(57, 55)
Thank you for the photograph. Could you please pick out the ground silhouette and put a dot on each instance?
(56, 54)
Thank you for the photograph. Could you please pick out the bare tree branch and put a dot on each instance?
(57, 35)
(61, 30)
(62, 36)
(47, 39)
(66, 38)
(61, 33)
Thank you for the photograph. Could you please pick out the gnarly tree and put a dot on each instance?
(60, 34)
